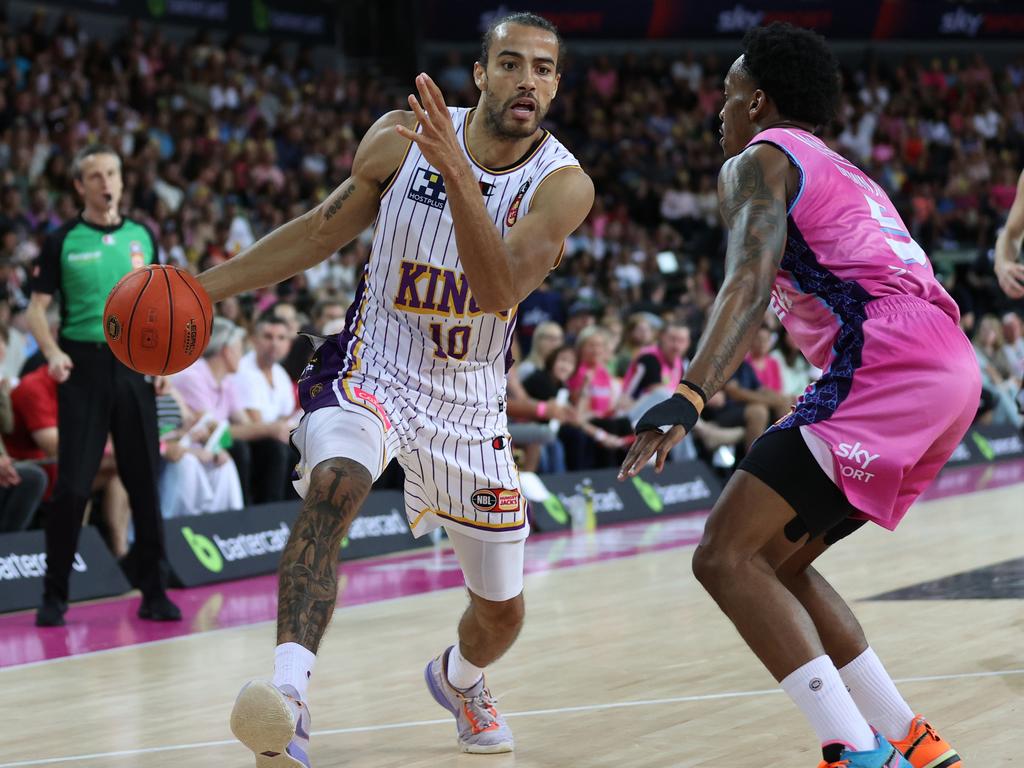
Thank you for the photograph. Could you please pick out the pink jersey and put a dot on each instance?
(845, 246)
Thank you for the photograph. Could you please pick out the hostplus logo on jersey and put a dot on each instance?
(428, 188)
(860, 456)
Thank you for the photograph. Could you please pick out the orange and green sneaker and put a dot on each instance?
(924, 748)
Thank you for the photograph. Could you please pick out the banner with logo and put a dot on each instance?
(303, 19)
(464, 20)
(232, 545)
(989, 443)
(682, 487)
(94, 573)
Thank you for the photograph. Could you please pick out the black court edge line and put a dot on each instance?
(170, 321)
(138, 298)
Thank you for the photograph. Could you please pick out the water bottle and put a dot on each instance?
(589, 505)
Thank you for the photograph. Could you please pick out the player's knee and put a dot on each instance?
(793, 578)
(712, 565)
(500, 617)
(341, 484)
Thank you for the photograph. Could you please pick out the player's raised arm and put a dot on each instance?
(1009, 270)
(314, 236)
(501, 271)
(752, 194)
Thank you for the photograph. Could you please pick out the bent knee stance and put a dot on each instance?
(500, 618)
(717, 566)
(340, 484)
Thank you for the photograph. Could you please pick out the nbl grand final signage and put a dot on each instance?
(94, 572)
(232, 545)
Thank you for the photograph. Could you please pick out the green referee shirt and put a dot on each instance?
(83, 261)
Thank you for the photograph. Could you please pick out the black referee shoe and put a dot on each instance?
(51, 613)
(159, 608)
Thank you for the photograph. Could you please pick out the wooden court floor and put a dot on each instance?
(621, 663)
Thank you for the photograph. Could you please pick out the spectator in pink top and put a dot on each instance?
(592, 388)
(765, 366)
(603, 78)
(207, 386)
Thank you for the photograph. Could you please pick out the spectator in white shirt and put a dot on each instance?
(267, 395)
(1013, 344)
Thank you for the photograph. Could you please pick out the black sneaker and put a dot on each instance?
(159, 608)
(51, 613)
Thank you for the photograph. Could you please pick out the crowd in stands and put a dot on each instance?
(222, 144)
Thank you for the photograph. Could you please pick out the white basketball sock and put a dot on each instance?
(461, 673)
(876, 696)
(293, 665)
(818, 690)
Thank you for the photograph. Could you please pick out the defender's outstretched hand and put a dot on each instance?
(436, 137)
(679, 414)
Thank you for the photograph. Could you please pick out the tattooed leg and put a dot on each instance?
(308, 572)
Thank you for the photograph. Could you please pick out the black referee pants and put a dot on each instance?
(103, 397)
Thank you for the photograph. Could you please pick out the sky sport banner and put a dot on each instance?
(94, 572)
(233, 545)
(464, 20)
(682, 487)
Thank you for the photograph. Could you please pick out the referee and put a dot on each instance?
(97, 395)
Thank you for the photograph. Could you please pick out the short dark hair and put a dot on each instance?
(320, 306)
(269, 318)
(553, 355)
(796, 68)
(89, 151)
(523, 19)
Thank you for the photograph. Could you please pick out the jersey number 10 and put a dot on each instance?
(457, 342)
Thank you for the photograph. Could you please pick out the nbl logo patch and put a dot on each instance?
(428, 188)
(496, 500)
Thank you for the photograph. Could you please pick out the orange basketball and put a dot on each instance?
(158, 320)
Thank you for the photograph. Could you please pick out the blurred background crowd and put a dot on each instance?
(222, 143)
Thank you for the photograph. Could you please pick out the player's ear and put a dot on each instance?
(480, 76)
(757, 103)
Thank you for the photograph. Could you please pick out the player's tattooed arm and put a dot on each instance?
(312, 237)
(308, 572)
(752, 195)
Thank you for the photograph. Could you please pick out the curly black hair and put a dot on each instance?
(796, 68)
(524, 19)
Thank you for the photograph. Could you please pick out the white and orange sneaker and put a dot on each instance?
(274, 723)
(482, 730)
(924, 748)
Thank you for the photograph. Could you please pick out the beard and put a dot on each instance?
(494, 117)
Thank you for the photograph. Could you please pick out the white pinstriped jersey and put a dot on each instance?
(417, 324)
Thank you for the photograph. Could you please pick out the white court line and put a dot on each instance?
(528, 713)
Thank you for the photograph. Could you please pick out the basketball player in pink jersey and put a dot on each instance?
(815, 239)
(470, 209)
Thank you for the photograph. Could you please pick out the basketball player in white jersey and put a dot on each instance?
(1008, 267)
(470, 209)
